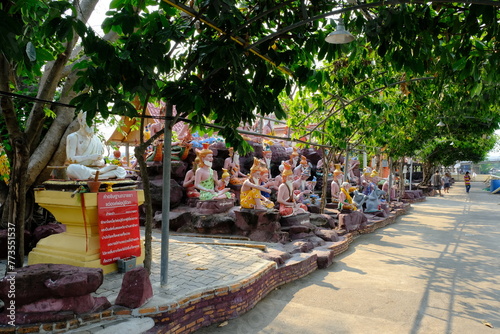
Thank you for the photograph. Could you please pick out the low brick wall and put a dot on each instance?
(211, 306)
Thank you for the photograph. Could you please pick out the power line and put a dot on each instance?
(25, 97)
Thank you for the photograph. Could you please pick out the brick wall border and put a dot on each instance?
(211, 306)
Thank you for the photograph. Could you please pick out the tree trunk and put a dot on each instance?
(148, 225)
(427, 169)
(17, 192)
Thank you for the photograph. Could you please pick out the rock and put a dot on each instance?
(275, 255)
(214, 206)
(42, 281)
(214, 224)
(178, 169)
(78, 304)
(299, 236)
(325, 258)
(322, 220)
(299, 219)
(156, 188)
(136, 288)
(352, 221)
(298, 246)
(316, 241)
(45, 230)
(326, 234)
(177, 221)
(298, 229)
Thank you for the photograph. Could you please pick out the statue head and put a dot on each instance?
(256, 169)
(303, 162)
(82, 120)
(295, 155)
(338, 171)
(287, 172)
(205, 155)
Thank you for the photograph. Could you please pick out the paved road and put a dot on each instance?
(437, 270)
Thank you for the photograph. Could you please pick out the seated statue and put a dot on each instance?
(250, 196)
(288, 203)
(205, 177)
(188, 183)
(301, 168)
(345, 199)
(224, 181)
(335, 186)
(84, 152)
(294, 158)
(232, 164)
(303, 188)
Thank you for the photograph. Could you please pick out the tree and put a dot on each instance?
(222, 62)
(35, 36)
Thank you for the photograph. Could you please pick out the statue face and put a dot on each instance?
(268, 155)
(256, 176)
(82, 120)
(207, 161)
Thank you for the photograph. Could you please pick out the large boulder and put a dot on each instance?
(352, 221)
(156, 190)
(136, 288)
(213, 224)
(44, 280)
(51, 291)
(326, 234)
(44, 231)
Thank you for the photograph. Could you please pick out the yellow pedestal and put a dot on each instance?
(79, 245)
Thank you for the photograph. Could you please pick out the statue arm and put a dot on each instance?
(188, 179)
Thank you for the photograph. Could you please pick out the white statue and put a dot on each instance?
(84, 152)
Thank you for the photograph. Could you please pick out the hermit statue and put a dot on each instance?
(286, 198)
(251, 197)
(205, 179)
(84, 152)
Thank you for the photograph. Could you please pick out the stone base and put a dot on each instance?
(192, 201)
(301, 218)
(352, 221)
(259, 225)
(214, 206)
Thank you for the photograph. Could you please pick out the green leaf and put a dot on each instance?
(477, 89)
(459, 64)
(31, 51)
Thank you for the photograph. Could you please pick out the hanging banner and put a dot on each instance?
(118, 225)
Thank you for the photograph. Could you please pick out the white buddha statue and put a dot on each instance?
(84, 152)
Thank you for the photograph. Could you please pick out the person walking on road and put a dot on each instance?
(437, 183)
(467, 181)
(446, 182)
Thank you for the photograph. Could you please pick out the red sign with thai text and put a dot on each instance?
(118, 225)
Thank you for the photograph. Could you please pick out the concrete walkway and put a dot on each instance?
(436, 270)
